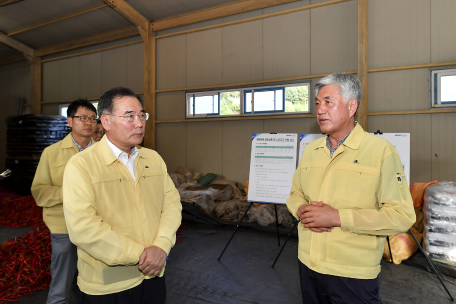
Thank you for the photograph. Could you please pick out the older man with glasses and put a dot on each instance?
(121, 208)
(47, 191)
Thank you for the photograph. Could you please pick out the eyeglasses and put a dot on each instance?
(132, 118)
(84, 118)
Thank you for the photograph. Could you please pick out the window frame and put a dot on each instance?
(243, 107)
(435, 74)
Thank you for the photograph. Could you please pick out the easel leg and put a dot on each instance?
(389, 247)
(277, 224)
(288, 236)
(237, 226)
(430, 263)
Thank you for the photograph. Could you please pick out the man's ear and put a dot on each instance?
(106, 122)
(353, 106)
(70, 121)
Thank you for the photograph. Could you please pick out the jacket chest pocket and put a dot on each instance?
(311, 177)
(356, 186)
(57, 169)
(114, 199)
(151, 183)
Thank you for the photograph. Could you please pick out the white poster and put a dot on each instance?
(272, 165)
(306, 139)
(401, 141)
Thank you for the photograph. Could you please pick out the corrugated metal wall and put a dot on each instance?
(310, 42)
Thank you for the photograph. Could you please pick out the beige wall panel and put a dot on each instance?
(334, 38)
(444, 147)
(91, 75)
(242, 16)
(20, 85)
(295, 125)
(286, 41)
(443, 30)
(51, 81)
(114, 67)
(404, 90)
(204, 147)
(69, 85)
(242, 58)
(237, 144)
(399, 32)
(204, 58)
(135, 67)
(171, 62)
(170, 105)
(419, 127)
(50, 109)
(278, 8)
(172, 144)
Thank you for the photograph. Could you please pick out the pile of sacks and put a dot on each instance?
(223, 199)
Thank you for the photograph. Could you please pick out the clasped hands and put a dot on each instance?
(318, 217)
(152, 260)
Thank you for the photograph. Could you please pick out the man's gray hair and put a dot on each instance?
(349, 86)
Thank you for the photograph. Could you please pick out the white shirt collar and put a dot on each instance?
(117, 152)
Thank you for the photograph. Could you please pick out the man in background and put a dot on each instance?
(349, 192)
(99, 131)
(47, 192)
(121, 208)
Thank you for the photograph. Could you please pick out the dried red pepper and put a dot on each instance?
(25, 260)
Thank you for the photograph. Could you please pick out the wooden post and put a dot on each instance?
(149, 87)
(35, 65)
(362, 60)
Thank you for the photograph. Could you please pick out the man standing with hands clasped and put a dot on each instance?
(121, 208)
(349, 192)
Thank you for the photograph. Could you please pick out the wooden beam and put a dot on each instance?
(36, 85)
(215, 12)
(129, 13)
(12, 59)
(88, 41)
(249, 19)
(57, 19)
(17, 45)
(6, 2)
(149, 89)
(362, 60)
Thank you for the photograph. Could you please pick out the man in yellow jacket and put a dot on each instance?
(47, 191)
(349, 192)
(121, 208)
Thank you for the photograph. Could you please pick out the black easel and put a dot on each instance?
(239, 224)
(286, 240)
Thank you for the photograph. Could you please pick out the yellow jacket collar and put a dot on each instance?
(106, 155)
(353, 140)
(67, 142)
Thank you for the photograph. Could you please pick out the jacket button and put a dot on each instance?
(348, 230)
(312, 264)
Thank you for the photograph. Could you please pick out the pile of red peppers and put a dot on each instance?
(25, 260)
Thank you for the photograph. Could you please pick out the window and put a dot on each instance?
(282, 99)
(443, 87)
(64, 107)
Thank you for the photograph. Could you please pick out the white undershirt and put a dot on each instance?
(123, 157)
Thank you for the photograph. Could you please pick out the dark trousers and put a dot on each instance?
(151, 291)
(317, 288)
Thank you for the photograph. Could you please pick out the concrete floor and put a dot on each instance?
(244, 275)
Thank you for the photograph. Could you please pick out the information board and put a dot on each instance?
(272, 165)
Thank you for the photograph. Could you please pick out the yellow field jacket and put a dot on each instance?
(365, 181)
(112, 218)
(47, 183)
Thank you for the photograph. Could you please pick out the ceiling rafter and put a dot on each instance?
(26, 50)
(57, 19)
(131, 14)
(218, 11)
